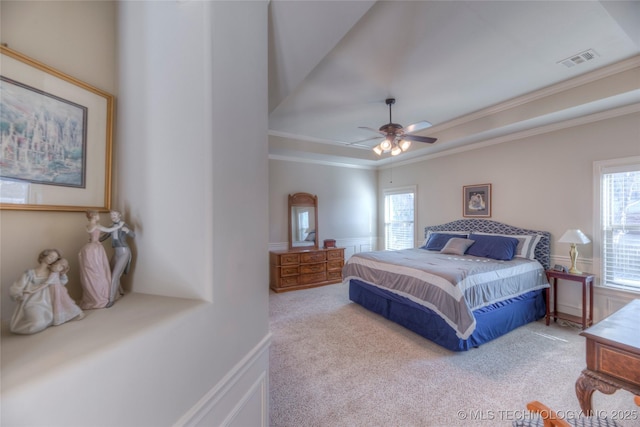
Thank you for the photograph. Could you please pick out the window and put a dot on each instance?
(399, 218)
(618, 203)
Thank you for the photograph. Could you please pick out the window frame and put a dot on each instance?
(601, 168)
(400, 190)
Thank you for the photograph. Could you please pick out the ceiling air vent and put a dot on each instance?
(579, 58)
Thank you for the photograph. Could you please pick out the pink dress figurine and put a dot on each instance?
(64, 308)
(95, 272)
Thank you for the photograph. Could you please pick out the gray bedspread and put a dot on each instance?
(450, 285)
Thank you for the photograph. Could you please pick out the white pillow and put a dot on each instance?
(526, 243)
(456, 246)
(464, 234)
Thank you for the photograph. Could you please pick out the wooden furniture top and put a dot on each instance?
(568, 276)
(302, 250)
(619, 329)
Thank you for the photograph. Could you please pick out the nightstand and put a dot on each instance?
(586, 279)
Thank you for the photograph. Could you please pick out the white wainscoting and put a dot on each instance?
(606, 301)
(351, 245)
(357, 244)
(240, 399)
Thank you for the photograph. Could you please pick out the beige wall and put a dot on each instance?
(197, 317)
(77, 38)
(542, 182)
(346, 199)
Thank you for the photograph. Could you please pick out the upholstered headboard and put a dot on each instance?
(542, 250)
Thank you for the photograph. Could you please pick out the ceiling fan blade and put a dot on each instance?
(372, 129)
(417, 127)
(418, 138)
(364, 140)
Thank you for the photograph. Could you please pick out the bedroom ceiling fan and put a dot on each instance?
(396, 138)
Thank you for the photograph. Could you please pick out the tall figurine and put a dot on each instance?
(121, 259)
(34, 311)
(95, 273)
(64, 308)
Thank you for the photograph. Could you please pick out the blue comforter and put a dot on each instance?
(450, 285)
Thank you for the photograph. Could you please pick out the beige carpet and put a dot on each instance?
(333, 363)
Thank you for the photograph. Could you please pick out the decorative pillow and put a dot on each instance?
(497, 247)
(463, 234)
(311, 237)
(436, 241)
(526, 243)
(456, 246)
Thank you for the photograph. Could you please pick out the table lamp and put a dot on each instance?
(574, 237)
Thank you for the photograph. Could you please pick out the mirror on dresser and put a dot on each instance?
(304, 264)
(303, 221)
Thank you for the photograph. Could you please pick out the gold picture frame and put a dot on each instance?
(46, 163)
(476, 201)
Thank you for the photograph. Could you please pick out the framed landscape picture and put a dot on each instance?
(55, 139)
(476, 201)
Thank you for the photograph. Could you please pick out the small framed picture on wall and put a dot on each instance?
(476, 201)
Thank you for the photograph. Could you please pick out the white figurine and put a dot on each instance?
(121, 259)
(34, 311)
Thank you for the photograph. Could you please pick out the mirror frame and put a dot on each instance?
(303, 199)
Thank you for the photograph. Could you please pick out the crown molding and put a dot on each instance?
(320, 162)
(555, 89)
(591, 118)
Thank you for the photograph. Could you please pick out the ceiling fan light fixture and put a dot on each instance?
(396, 139)
(405, 144)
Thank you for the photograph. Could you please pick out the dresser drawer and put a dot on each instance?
(335, 265)
(289, 270)
(337, 254)
(304, 279)
(334, 275)
(289, 281)
(617, 363)
(289, 259)
(312, 268)
(309, 257)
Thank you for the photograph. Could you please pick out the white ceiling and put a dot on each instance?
(477, 70)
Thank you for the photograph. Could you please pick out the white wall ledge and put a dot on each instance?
(29, 358)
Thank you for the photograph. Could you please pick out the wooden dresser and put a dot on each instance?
(301, 269)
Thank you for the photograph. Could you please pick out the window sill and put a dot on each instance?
(621, 291)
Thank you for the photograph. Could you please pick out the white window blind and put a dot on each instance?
(399, 218)
(620, 226)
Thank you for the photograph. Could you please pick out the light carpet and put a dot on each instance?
(333, 363)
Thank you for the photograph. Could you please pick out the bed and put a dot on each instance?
(456, 293)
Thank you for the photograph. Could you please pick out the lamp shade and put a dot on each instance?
(574, 236)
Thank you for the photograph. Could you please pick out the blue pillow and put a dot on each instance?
(497, 247)
(437, 240)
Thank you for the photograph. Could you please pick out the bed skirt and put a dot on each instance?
(491, 321)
